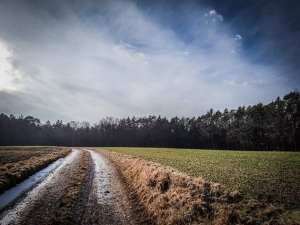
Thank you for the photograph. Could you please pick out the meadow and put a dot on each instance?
(271, 177)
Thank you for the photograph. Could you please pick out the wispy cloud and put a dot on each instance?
(111, 59)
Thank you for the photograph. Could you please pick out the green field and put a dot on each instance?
(273, 177)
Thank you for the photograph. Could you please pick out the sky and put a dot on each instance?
(85, 60)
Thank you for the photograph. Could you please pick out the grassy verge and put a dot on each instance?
(269, 177)
(70, 196)
(273, 177)
(173, 197)
(17, 164)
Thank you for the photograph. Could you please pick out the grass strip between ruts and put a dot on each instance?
(71, 193)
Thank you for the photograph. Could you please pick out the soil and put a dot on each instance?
(103, 196)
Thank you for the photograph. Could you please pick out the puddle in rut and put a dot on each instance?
(11, 215)
(10, 195)
(102, 179)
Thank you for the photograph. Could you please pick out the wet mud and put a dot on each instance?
(103, 198)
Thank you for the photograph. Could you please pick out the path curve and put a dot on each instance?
(103, 197)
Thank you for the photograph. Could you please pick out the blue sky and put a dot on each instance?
(85, 60)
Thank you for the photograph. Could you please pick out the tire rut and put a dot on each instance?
(102, 198)
(107, 196)
(37, 206)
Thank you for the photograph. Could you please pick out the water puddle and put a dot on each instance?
(45, 177)
(101, 178)
(12, 194)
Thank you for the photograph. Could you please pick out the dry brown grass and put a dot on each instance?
(19, 169)
(71, 193)
(173, 197)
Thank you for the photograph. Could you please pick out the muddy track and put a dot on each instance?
(84, 189)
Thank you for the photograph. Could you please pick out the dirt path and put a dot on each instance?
(98, 197)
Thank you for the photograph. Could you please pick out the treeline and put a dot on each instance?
(275, 126)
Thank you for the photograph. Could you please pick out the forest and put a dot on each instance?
(271, 127)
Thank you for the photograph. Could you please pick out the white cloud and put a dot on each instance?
(214, 15)
(10, 76)
(5, 67)
(238, 37)
(230, 82)
(123, 64)
(212, 12)
(234, 83)
(145, 63)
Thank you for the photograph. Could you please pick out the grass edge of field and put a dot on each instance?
(294, 214)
